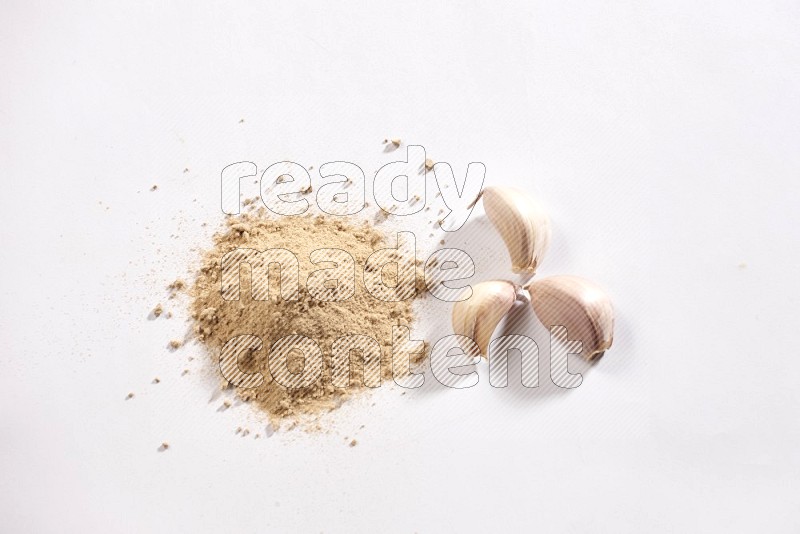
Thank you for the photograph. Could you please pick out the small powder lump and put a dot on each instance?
(216, 321)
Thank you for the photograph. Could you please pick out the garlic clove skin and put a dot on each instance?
(521, 222)
(580, 306)
(478, 316)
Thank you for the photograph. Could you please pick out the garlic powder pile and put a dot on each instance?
(215, 320)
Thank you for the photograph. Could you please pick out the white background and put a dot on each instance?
(663, 137)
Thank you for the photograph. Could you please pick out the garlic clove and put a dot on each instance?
(580, 306)
(478, 316)
(521, 222)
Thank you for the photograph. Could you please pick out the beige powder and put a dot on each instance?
(217, 320)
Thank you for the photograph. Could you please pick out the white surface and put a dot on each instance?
(663, 138)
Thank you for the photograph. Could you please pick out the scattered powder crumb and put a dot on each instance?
(156, 380)
(154, 188)
(158, 310)
(175, 344)
(164, 446)
(396, 142)
(177, 285)
(354, 443)
(428, 163)
(130, 396)
(186, 169)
